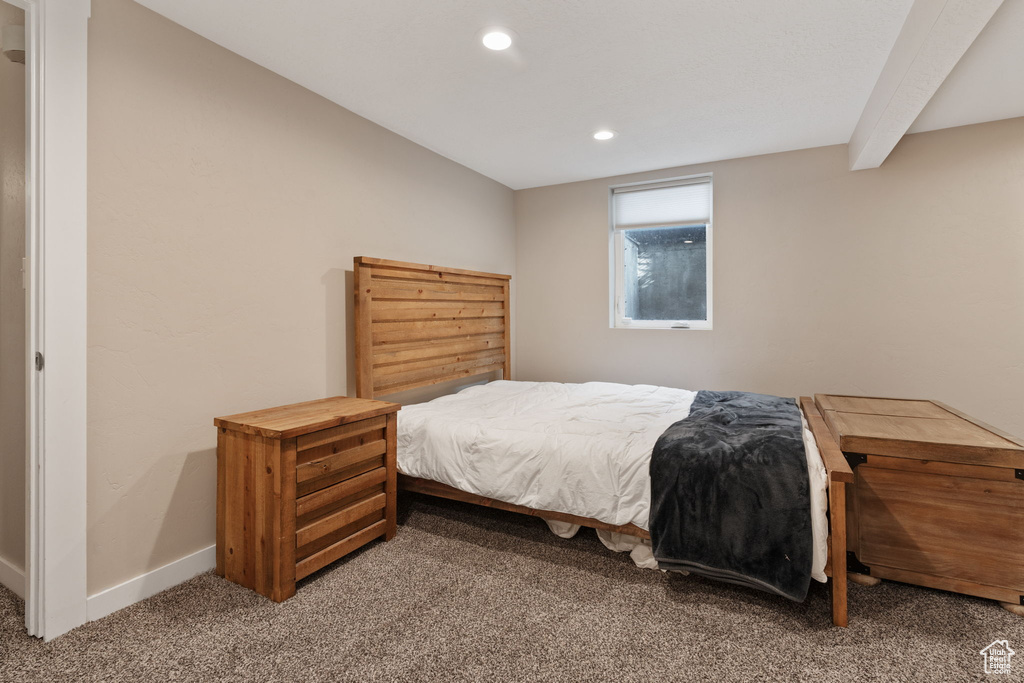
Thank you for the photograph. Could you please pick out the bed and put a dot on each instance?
(418, 325)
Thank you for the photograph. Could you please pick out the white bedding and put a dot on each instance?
(582, 449)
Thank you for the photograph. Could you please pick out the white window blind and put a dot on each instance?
(671, 204)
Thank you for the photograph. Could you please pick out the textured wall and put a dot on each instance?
(12, 302)
(907, 280)
(225, 207)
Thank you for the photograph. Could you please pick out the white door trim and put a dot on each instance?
(56, 39)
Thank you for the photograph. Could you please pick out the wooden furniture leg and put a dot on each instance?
(837, 512)
(391, 485)
(1011, 607)
(839, 475)
(863, 579)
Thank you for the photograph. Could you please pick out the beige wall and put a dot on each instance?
(906, 280)
(12, 302)
(225, 207)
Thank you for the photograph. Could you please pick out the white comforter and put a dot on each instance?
(582, 449)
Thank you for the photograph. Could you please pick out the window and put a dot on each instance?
(661, 254)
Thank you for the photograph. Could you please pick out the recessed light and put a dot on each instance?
(604, 135)
(497, 39)
(687, 241)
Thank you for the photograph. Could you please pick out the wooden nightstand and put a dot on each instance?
(300, 486)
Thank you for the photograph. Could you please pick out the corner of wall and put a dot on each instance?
(12, 577)
(149, 584)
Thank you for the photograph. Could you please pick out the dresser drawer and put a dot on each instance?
(328, 437)
(322, 558)
(334, 455)
(339, 525)
(327, 500)
(357, 514)
(338, 511)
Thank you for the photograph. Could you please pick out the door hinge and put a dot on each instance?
(40, 362)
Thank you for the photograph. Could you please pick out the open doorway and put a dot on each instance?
(13, 328)
(53, 148)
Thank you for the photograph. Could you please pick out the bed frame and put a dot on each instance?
(418, 325)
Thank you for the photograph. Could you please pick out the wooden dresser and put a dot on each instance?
(937, 498)
(300, 486)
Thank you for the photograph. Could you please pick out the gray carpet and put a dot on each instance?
(466, 593)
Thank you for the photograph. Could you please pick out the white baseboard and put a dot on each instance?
(12, 577)
(149, 584)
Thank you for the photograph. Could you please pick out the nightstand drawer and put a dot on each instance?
(340, 517)
(374, 428)
(327, 464)
(329, 499)
(324, 557)
(317, 544)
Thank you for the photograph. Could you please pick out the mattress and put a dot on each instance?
(581, 449)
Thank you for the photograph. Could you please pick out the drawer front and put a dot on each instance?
(330, 456)
(321, 502)
(324, 557)
(317, 544)
(331, 514)
(356, 514)
(959, 527)
(328, 436)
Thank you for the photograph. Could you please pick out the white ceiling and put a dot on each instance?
(682, 81)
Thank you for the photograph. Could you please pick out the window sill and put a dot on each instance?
(662, 325)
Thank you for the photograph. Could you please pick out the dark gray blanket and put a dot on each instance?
(730, 495)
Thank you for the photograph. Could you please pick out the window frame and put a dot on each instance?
(616, 242)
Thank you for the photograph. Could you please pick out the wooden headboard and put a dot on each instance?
(418, 325)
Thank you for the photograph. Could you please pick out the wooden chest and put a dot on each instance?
(300, 486)
(937, 499)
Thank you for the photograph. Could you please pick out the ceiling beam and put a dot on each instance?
(934, 37)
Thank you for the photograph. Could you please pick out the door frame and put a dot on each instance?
(56, 39)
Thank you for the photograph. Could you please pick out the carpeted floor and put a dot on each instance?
(466, 593)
